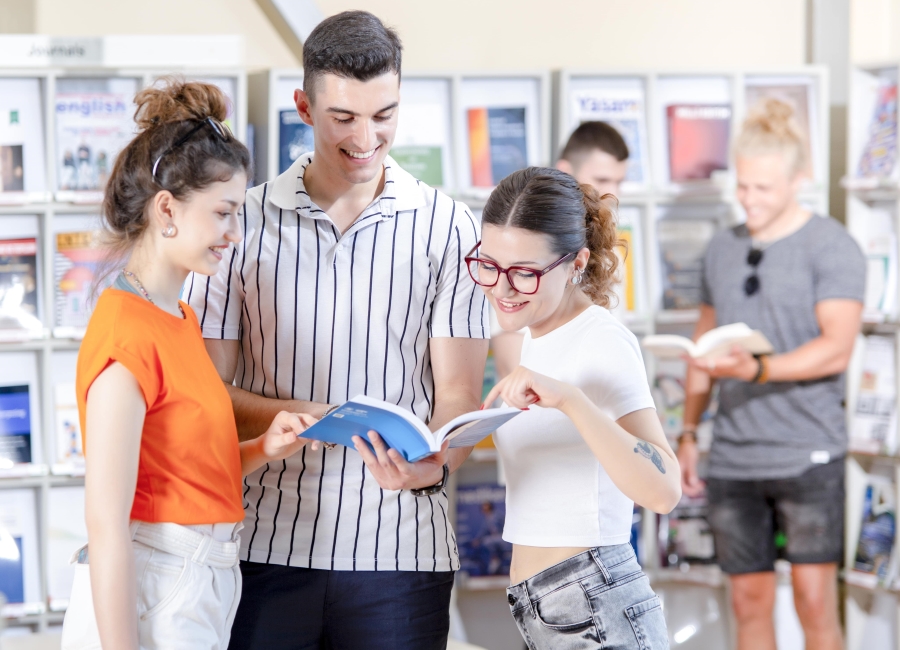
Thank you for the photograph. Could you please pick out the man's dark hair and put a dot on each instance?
(594, 135)
(353, 45)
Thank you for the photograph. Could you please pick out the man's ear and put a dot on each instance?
(304, 106)
(564, 165)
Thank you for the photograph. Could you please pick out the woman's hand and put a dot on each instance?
(280, 440)
(524, 387)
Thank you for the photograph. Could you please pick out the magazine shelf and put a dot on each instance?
(50, 198)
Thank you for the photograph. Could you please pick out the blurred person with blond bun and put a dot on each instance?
(779, 437)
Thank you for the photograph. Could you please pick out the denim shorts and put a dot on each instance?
(597, 599)
(809, 509)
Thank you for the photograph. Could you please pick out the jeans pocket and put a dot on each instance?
(566, 609)
(649, 624)
(163, 577)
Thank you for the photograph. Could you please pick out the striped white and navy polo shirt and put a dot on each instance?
(324, 317)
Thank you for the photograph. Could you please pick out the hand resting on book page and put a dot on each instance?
(393, 472)
(523, 387)
(738, 364)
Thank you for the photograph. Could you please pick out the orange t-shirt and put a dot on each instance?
(190, 464)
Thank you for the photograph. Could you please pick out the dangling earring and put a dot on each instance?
(170, 231)
(577, 278)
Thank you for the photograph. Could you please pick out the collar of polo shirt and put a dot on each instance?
(401, 191)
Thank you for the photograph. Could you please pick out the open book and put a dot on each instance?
(402, 430)
(712, 345)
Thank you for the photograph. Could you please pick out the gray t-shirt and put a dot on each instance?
(780, 429)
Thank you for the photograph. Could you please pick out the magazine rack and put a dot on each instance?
(43, 210)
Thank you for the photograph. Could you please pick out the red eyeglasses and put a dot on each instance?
(521, 278)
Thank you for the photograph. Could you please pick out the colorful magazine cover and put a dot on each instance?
(69, 452)
(624, 110)
(295, 138)
(626, 253)
(15, 425)
(879, 155)
(698, 140)
(480, 513)
(77, 257)
(498, 144)
(19, 285)
(22, 166)
(91, 129)
(876, 534)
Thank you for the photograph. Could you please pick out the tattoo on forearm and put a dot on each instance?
(649, 451)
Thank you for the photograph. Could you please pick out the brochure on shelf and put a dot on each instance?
(630, 288)
(498, 143)
(873, 424)
(668, 393)
(94, 121)
(682, 244)
(483, 554)
(879, 155)
(698, 141)
(16, 432)
(295, 138)
(620, 103)
(403, 431)
(19, 290)
(875, 546)
(66, 533)
(19, 553)
(77, 256)
(881, 275)
(69, 451)
(23, 175)
(796, 94)
(421, 140)
(684, 534)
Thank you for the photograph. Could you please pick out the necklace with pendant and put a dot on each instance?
(140, 286)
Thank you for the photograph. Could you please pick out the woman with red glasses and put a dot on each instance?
(591, 443)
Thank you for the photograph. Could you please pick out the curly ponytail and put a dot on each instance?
(573, 216)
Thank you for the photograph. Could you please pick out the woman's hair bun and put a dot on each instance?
(176, 100)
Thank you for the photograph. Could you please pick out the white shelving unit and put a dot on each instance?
(873, 212)
(44, 213)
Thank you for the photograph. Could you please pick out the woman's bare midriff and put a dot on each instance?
(528, 561)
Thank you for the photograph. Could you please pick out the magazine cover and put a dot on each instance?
(873, 426)
(879, 154)
(698, 140)
(420, 143)
(497, 144)
(19, 286)
(19, 564)
(682, 244)
(295, 138)
(623, 109)
(480, 513)
(69, 452)
(881, 274)
(15, 425)
(91, 129)
(626, 254)
(876, 534)
(76, 260)
(22, 166)
(794, 95)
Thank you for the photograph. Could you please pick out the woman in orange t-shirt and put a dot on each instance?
(164, 466)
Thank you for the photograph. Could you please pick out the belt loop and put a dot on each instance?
(595, 554)
(202, 552)
(133, 529)
(528, 596)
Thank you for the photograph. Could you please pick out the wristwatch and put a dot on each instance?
(436, 488)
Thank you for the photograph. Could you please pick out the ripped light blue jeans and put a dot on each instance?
(597, 599)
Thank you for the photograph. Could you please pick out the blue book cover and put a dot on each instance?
(509, 146)
(12, 569)
(876, 534)
(402, 430)
(480, 514)
(295, 138)
(15, 424)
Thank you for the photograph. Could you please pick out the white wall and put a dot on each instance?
(874, 30)
(510, 34)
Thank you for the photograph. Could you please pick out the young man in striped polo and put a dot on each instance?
(349, 280)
